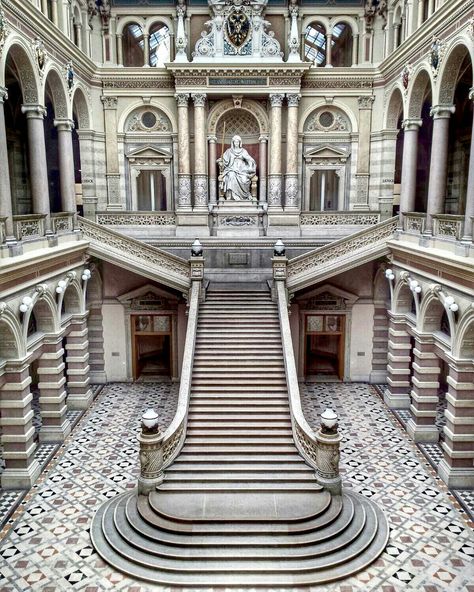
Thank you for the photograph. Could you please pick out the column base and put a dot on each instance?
(422, 433)
(146, 486)
(55, 433)
(396, 401)
(462, 477)
(21, 478)
(378, 377)
(334, 486)
(98, 377)
(79, 402)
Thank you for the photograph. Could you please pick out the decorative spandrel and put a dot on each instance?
(237, 29)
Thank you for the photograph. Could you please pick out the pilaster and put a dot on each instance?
(77, 360)
(111, 151)
(274, 177)
(363, 153)
(397, 394)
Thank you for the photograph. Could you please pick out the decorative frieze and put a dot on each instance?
(338, 218)
(136, 219)
(336, 83)
(147, 83)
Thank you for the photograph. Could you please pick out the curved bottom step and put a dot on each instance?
(155, 561)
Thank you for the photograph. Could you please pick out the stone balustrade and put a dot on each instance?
(448, 226)
(339, 218)
(29, 226)
(136, 219)
(414, 222)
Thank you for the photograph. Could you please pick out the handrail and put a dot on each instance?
(174, 436)
(114, 246)
(301, 269)
(304, 437)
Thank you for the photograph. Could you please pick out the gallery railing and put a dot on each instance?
(136, 218)
(339, 218)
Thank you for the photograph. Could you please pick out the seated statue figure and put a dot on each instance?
(237, 170)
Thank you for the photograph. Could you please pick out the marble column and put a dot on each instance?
(292, 200)
(37, 162)
(184, 165)
(262, 172)
(469, 215)
(431, 7)
(274, 177)
(77, 360)
(439, 163)
(411, 127)
(457, 467)
(55, 425)
(421, 6)
(54, 10)
(424, 395)
(329, 50)
(397, 394)
(21, 467)
(111, 153)
(355, 49)
(212, 140)
(200, 176)
(146, 49)
(363, 152)
(5, 187)
(66, 164)
(119, 49)
(78, 35)
(44, 7)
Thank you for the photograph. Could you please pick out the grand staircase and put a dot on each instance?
(239, 506)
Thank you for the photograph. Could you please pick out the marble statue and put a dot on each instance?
(237, 170)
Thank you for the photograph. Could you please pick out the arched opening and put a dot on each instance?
(17, 142)
(71, 303)
(404, 300)
(394, 122)
(52, 152)
(433, 318)
(460, 131)
(342, 46)
(160, 45)
(466, 348)
(77, 28)
(397, 28)
(315, 44)
(133, 46)
(8, 343)
(81, 144)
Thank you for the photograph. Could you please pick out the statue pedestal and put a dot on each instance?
(237, 219)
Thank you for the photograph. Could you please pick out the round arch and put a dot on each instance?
(21, 56)
(72, 299)
(321, 20)
(322, 103)
(130, 108)
(222, 107)
(12, 346)
(395, 106)
(55, 84)
(431, 312)
(131, 20)
(463, 343)
(45, 314)
(450, 70)
(345, 20)
(161, 19)
(80, 105)
(421, 81)
(402, 298)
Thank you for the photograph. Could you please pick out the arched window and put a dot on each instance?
(133, 46)
(159, 45)
(342, 45)
(315, 44)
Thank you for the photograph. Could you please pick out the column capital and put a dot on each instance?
(199, 99)
(34, 111)
(276, 100)
(365, 102)
(109, 102)
(64, 125)
(411, 124)
(182, 99)
(212, 139)
(293, 99)
(3, 94)
(263, 139)
(442, 111)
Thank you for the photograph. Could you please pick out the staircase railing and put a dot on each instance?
(358, 248)
(128, 252)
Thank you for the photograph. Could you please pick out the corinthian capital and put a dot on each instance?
(182, 99)
(199, 99)
(109, 102)
(293, 100)
(365, 102)
(276, 100)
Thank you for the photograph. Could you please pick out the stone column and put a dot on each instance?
(44, 7)
(421, 5)
(355, 49)
(200, 176)
(54, 10)
(66, 164)
(111, 153)
(5, 187)
(431, 7)
(469, 215)
(274, 178)
(37, 162)
(55, 424)
(439, 163)
(411, 128)
(96, 344)
(397, 395)
(119, 49)
(212, 169)
(262, 173)
(389, 32)
(457, 467)
(363, 153)
(146, 49)
(329, 50)
(21, 467)
(77, 360)
(424, 395)
(291, 177)
(184, 166)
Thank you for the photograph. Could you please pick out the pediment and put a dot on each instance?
(326, 152)
(327, 297)
(148, 152)
(148, 297)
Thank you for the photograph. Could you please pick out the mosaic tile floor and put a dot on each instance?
(46, 543)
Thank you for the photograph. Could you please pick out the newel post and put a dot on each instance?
(328, 440)
(151, 453)
(279, 264)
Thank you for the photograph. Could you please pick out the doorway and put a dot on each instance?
(151, 341)
(324, 346)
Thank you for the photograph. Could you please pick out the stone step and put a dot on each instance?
(270, 449)
(237, 416)
(239, 441)
(234, 469)
(235, 381)
(247, 425)
(204, 361)
(255, 459)
(203, 477)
